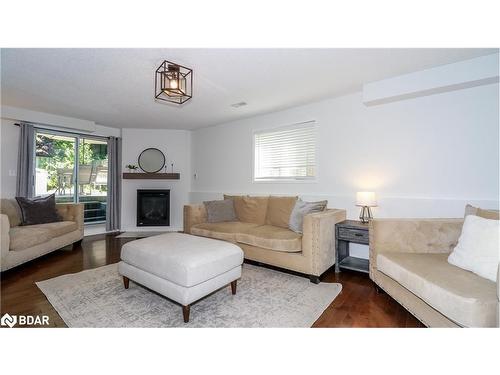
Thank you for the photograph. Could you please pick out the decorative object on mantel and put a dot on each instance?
(173, 83)
(366, 199)
(151, 160)
(151, 176)
(132, 168)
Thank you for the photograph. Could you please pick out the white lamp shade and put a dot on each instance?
(366, 198)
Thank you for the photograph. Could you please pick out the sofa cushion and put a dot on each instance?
(10, 208)
(467, 299)
(478, 247)
(38, 210)
(58, 228)
(223, 231)
(24, 237)
(302, 209)
(272, 238)
(220, 210)
(250, 209)
(279, 210)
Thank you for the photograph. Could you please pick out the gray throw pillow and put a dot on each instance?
(300, 210)
(38, 210)
(219, 211)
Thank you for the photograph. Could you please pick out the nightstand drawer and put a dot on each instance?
(354, 235)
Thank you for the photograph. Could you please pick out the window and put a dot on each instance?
(75, 168)
(287, 153)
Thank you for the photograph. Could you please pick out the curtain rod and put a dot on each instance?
(67, 132)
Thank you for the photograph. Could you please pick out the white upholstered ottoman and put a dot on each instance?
(181, 267)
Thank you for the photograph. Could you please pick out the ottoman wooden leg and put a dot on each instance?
(125, 282)
(233, 286)
(185, 313)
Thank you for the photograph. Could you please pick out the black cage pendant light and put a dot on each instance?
(173, 83)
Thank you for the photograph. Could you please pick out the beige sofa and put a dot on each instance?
(262, 232)
(408, 259)
(20, 244)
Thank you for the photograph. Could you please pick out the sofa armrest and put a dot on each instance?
(5, 239)
(71, 212)
(412, 236)
(194, 214)
(318, 238)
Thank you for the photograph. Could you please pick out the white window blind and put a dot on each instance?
(286, 153)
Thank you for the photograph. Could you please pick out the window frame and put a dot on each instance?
(287, 180)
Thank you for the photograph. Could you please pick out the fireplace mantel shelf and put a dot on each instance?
(151, 176)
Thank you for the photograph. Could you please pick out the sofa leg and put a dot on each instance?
(314, 279)
(77, 244)
(125, 282)
(185, 313)
(233, 286)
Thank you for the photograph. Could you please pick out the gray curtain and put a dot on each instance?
(113, 211)
(25, 183)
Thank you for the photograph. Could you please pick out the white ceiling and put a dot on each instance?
(114, 87)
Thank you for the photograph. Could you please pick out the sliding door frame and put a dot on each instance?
(78, 137)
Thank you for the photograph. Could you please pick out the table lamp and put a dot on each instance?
(366, 199)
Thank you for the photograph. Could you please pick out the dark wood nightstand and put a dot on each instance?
(346, 232)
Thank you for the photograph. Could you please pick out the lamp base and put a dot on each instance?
(365, 215)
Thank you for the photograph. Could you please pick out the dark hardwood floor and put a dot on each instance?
(358, 305)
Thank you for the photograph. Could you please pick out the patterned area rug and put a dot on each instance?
(265, 298)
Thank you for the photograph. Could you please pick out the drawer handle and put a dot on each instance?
(358, 234)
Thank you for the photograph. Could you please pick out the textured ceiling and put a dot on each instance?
(114, 87)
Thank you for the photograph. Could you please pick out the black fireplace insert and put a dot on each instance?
(153, 207)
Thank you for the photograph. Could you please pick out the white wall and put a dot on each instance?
(175, 144)
(425, 157)
(68, 123)
(460, 75)
(9, 141)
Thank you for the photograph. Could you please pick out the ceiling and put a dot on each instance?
(114, 87)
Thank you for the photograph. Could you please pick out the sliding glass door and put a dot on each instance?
(75, 169)
(55, 166)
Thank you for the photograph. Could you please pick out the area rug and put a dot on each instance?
(265, 298)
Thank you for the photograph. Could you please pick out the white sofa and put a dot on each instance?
(20, 244)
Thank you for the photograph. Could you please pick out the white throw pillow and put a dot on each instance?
(478, 247)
